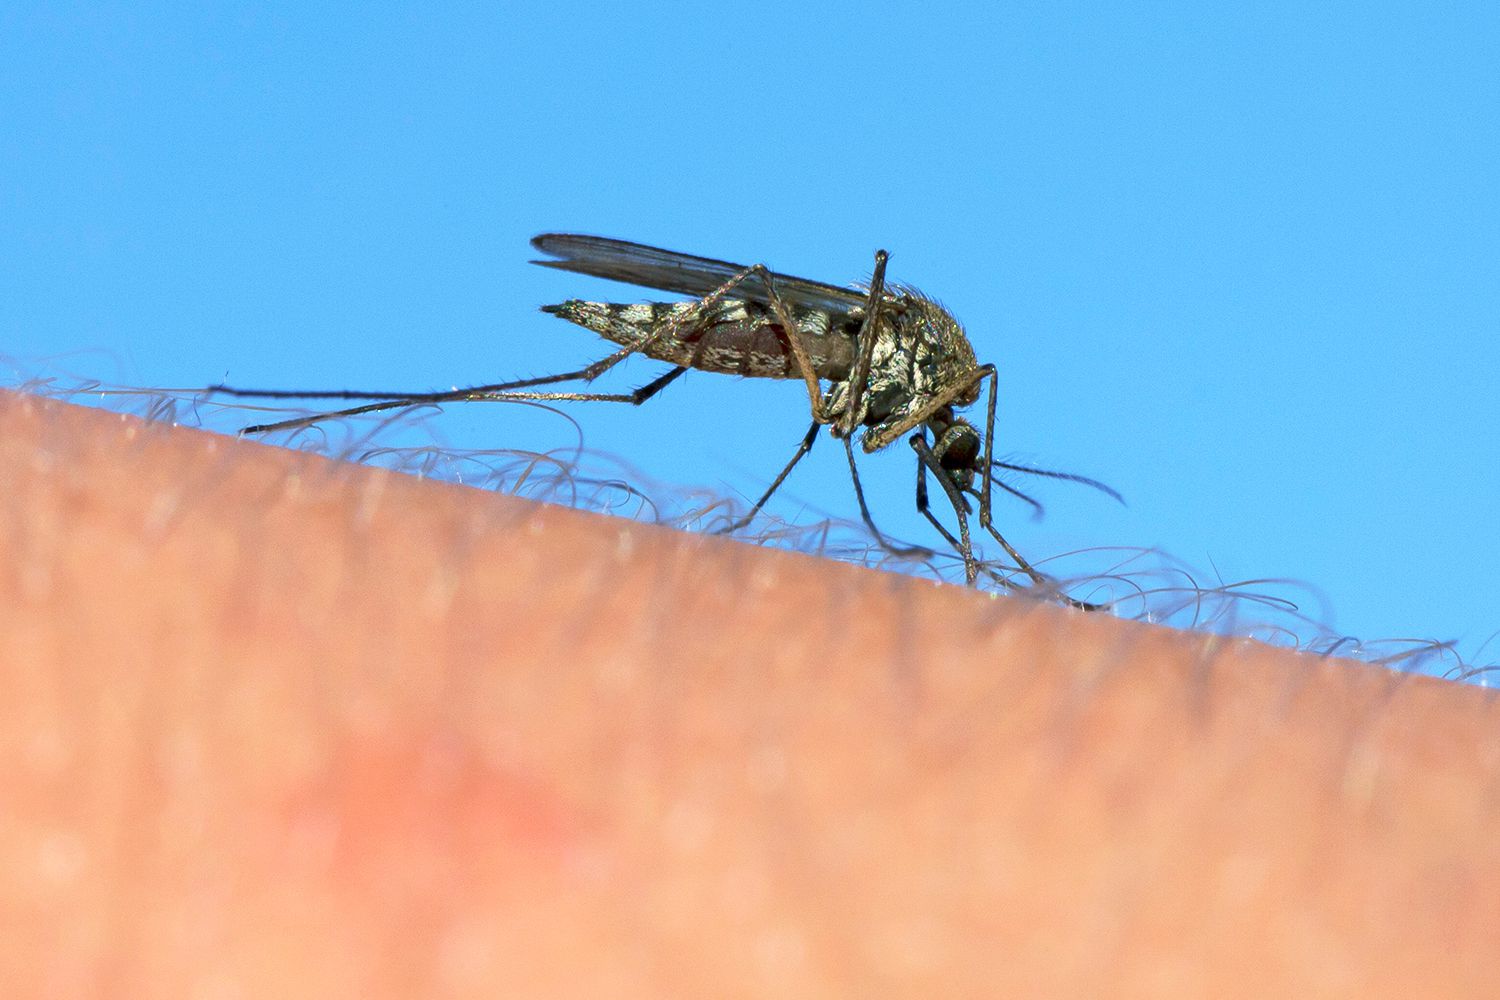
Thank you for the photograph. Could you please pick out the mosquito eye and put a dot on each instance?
(960, 448)
(880, 403)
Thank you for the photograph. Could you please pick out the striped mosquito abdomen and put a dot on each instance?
(739, 339)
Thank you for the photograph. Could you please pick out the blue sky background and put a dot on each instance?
(1240, 261)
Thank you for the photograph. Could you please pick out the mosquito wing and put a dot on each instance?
(652, 267)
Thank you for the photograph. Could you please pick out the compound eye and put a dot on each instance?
(880, 403)
(959, 448)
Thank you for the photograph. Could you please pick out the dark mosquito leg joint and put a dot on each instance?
(656, 385)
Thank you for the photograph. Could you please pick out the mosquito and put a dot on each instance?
(878, 360)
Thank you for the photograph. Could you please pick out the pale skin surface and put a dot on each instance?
(275, 726)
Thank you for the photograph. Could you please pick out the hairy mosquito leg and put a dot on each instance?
(410, 399)
(864, 511)
(802, 449)
(794, 341)
(686, 325)
(656, 385)
(1012, 585)
(1038, 577)
(479, 395)
(416, 398)
(1025, 567)
(635, 397)
(354, 411)
(964, 545)
(687, 321)
(988, 474)
(926, 511)
(869, 332)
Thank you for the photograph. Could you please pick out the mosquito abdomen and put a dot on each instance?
(739, 338)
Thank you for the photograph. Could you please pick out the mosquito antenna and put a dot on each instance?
(1054, 474)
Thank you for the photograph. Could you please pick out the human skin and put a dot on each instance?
(280, 726)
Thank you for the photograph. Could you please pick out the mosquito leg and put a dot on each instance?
(656, 385)
(986, 492)
(480, 394)
(417, 398)
(1025, 566)
(635, 397)
(869, 332)
(963, 544)
(802, 449)
(681, 326)
(795, 337)
(684, 325)
(988, 474)
(1020, 560)
(942, 530)
(864, 511)
(1036, 576)
(925, 511)
(354, 411)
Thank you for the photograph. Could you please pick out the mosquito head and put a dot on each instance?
(957, 445)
